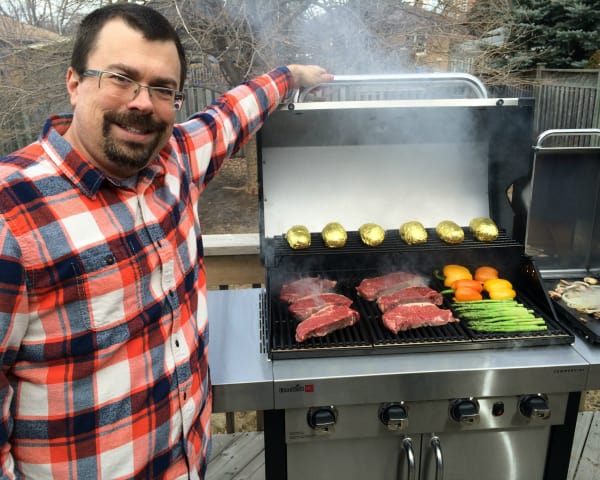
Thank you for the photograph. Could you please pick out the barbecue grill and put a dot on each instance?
(389, 162)
(362, 402)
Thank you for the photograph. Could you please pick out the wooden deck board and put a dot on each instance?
(240, 456)
(237, 456)
(585, 455)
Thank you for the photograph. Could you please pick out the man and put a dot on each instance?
(103, 319)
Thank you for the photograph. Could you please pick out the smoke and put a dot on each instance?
(374, 37)
(344, 41)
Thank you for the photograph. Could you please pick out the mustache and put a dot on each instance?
(144, 123)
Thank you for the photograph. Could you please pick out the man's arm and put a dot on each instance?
(13, 325)
(214, 135)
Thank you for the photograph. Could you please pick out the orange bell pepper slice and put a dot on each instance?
(485, 273)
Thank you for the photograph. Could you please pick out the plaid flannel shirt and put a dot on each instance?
(103, 318)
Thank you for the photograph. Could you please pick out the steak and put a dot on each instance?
(325, 321)
(303, 287)
(306, 306)
(414, 315)
(371, 288)
(419, 294)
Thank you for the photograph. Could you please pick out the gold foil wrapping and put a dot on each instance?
(298, 237)
(371, 234)
(450, 232)
(484, 229)
(334, 235)
(413, 233)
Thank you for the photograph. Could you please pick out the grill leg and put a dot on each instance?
(561, 442)
(275, 447)
(230, 422)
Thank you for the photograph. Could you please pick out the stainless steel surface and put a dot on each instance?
(361, 420)
(508, 446)
(591, 353)
(563, 230)
(392, 104)
(244, 379)
(367, 177)
(428, 376)
(421, 82)
(242, 376)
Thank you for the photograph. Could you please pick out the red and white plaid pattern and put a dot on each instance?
(103, 318)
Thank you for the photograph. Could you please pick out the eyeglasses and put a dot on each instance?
(123, 87)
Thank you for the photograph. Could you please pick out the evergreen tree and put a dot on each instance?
(559, 33)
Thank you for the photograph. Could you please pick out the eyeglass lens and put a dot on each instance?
(126, 88)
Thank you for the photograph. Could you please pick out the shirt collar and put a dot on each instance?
(80, 171)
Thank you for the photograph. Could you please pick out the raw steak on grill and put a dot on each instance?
(290, 292)
(306, 306)
(419, 294)
(414, 315)
(371, 288)
(326, 320)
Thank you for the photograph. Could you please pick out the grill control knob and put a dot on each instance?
(394, 416)
(321, 418)
(465, 410)
(535, 406)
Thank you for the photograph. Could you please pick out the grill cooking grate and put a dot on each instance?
(355, 261)
(391, 244)
(369, 336)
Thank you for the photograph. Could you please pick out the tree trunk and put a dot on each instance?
(251, 166)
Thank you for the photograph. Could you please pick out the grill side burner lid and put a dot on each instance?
(563, 221)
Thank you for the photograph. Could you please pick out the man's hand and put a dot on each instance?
(306, 76)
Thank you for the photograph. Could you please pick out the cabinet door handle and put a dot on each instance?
(439, 459)
(410, 455)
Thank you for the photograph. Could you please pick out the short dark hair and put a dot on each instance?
(152, 24)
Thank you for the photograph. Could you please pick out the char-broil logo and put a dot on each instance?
(307, 388)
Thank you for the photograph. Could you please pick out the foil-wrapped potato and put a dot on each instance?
(371, 234)
(413, 233)
(484, 229)
(298, 237)
(334, 235)
(450, 232)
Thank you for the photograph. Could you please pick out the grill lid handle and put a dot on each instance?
(420, 81)
(592, 133)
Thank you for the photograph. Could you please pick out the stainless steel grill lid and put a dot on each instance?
(388, 161)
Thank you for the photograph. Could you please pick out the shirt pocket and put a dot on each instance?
(107, 295)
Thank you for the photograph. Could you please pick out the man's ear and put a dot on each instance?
(72, 81)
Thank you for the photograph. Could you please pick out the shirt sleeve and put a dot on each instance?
(13, 325)
(208, 138)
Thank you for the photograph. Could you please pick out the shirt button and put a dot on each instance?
(109, 259)
(177, 343)
(184, 395)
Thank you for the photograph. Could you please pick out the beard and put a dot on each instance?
(131, 155)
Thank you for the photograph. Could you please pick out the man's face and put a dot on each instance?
(118, 133)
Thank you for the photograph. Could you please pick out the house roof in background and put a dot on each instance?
(13, 32)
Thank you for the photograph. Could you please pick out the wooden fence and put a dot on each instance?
(567, 99)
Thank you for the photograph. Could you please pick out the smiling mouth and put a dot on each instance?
(130, 129)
